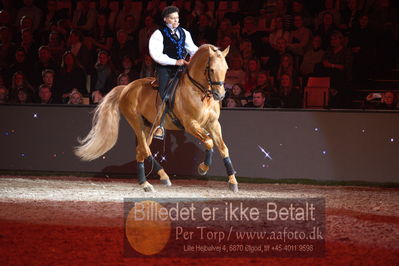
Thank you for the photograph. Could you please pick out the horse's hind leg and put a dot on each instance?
(142, 150)
(216, 133)
(156, 167)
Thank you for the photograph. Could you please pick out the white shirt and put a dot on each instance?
(156, 48)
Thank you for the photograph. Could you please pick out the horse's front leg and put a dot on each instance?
(216, 132)
(195, 129)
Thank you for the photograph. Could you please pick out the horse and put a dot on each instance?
(197, 108)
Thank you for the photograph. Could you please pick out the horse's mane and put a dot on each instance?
(203, 54)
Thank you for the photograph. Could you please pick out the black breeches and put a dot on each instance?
(165, 73)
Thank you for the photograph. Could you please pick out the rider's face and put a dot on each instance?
(172, 19)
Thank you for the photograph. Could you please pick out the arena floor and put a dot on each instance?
(70, 220)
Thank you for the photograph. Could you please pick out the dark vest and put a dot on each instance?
(174, 49)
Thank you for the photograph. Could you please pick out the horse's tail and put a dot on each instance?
(105, 126)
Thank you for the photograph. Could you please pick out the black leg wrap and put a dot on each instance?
(155, 164)
(208, 157)
(229, 166)
(141, 173)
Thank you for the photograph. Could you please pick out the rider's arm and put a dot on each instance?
(156, 50)
(189, 45)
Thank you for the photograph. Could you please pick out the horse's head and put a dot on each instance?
(215, 64)
(216, 71)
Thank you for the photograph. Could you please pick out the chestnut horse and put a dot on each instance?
(197, 107)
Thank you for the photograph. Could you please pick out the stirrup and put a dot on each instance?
(160, 136)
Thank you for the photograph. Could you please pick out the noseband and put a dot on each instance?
(210, 91)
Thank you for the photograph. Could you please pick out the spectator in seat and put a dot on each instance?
(75, 97)
(123, 79)
(325, 29)
(101, 35)
(289, 96)
(45, 95)
(104, 78)
(29, 9)
(232, 102)
(3, 94)
(312, 58)
(237, 92)
(287, 67)
(363, 44)
(235, 73)
(71, 76)
(45, 62)
(24, 96)
(84, 17)
(19, 81)
(300, 37)
(147, 67)
(19, 64)
(387, 100)
(337, 64)
(258, 100)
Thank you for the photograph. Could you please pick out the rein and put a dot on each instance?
(208, 92)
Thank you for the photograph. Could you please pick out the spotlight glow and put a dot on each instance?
(35, 115)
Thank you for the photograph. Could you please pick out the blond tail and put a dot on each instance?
(105, 126)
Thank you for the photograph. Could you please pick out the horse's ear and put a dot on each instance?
(226, 51)
(211, 52)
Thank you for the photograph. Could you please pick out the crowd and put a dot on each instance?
(64, 51)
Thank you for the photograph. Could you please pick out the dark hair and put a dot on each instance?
(259, 91)
(169, 10)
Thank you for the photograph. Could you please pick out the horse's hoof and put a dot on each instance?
(203, 169)
(148, 187)
(166, 182)
(233, 187)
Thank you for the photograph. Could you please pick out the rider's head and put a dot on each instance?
(170, 15)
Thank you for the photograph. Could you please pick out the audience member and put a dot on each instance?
(45, 95)
(104, 78)
(235, 73)
(3, 94)
(70, 77)
(19, 65)
(237, 92)
(84, 17)
(45, 62)
(18, 81)
(75, 97)
(300, 37)
(288, 95)
(56, 46)
(129, 68)
(145, 33)
(363, 44)
(24, 96)
(123, 79)
(325, 29)
(258, 100)
(147, 67)
(251, 76)
(30, 10)
(287, 67)
(7, 47)
(101, 35)
(337, 63)
(312, 57)
(387, 100)
(232, 102)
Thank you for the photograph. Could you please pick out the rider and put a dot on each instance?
(168, 47)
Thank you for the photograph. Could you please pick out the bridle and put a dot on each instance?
(208, 91)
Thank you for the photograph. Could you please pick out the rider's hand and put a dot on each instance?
(181, 62)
